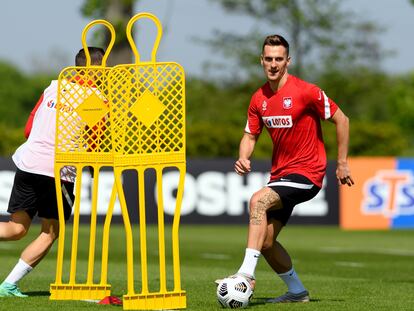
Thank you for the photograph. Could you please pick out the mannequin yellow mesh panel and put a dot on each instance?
(83, 129)
(148, 111)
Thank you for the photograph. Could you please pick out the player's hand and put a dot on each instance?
(242, 166)
(343, 174)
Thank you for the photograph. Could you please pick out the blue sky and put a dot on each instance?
(46, 33)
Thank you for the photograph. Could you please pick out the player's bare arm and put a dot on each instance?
(242, 165)
(343, 173)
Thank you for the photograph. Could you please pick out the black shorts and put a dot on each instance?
(292, 189)
(36, 194)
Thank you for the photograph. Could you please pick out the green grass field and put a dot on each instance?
(363, 270)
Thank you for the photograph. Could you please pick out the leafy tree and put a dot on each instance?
(18, 94)
(10, 139)
(117, 12)
(401, 107)
(356, 90)
(368, 139)
(318, 30)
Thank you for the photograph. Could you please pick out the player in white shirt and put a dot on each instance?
(33, 190)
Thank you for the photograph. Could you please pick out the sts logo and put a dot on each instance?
(389, 193)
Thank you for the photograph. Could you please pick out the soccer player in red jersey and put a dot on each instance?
(291, 110)
(33, 191)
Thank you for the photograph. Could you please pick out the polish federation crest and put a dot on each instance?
(287, 102)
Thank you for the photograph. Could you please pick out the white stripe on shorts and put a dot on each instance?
(290, 184)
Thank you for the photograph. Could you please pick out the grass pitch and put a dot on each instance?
(343, 270)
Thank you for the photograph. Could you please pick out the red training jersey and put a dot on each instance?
(292, 118)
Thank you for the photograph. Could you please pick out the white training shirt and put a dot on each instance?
(37, 154)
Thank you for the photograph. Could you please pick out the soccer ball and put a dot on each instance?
(234, 292)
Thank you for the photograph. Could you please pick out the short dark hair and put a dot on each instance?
(275, 40)
(95, 53)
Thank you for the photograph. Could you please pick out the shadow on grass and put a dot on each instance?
(37, 293)
(263, 300)
(257, 301)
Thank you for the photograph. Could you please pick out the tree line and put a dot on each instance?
(380, 107)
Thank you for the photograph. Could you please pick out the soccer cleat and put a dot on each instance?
(290, 297)
(10, 290)
(249, 279)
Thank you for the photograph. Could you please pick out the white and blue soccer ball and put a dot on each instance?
(234, 292)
